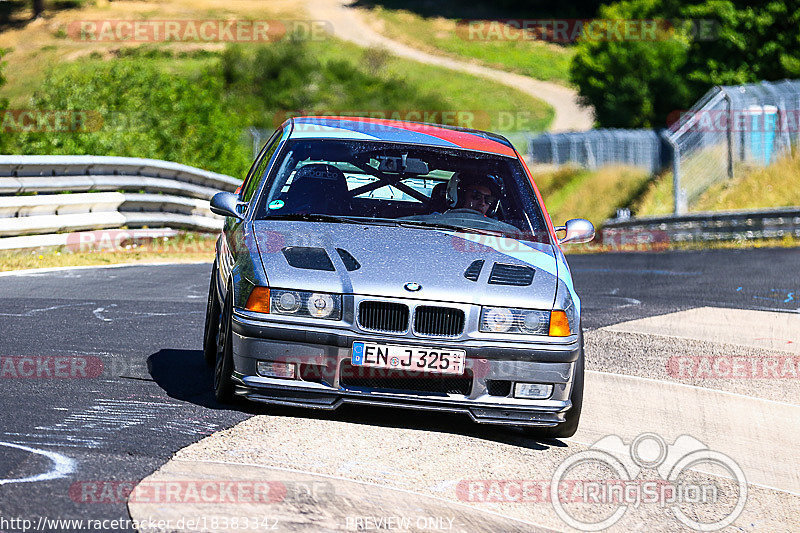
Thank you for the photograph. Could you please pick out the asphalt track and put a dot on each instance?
(146, 394)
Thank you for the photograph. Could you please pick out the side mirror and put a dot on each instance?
(576, 230)
(226, 204)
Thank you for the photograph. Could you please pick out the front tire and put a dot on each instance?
(211, 329)
(223, 367)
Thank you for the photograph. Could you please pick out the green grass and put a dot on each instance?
(593, 195)
(185, 247)
(786, 241)
(777, 185)
(537, 59)
(657, 199)
(490, 103)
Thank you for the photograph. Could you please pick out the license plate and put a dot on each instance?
(410, 358)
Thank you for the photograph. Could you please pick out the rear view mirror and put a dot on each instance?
(226, 204)
(576, 230)
(402, 164)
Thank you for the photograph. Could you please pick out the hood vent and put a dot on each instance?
(308, 258)
(349, 261)
(503, 274)
(474, 270)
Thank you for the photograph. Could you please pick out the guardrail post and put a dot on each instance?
(679, 195)
(729, 134)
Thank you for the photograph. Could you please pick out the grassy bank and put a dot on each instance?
(437, 34)
(594, 195)
(777, 185)
(595, 248)
(186, 247)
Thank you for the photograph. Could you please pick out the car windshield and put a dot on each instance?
(401, 184)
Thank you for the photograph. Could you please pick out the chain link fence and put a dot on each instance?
(597, 148)
(731, 128)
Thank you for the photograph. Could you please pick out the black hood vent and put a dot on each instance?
(349, 261)
(308, 258)
(474, 270)
(503, 274)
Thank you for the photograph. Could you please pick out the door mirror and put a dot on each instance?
(226, 204)
(576, 230)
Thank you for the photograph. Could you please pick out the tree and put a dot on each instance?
(38, 8)
(639, 83)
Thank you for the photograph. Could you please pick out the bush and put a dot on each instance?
(286, 77)
(146, 113)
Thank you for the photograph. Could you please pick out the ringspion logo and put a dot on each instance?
(592, 490)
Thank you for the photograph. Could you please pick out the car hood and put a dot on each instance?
(379, 260)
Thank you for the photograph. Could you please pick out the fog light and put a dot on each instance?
(532, 391)
(275, 370)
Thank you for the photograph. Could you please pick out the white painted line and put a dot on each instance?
(62, 465)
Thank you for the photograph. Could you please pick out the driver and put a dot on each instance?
(475, 192)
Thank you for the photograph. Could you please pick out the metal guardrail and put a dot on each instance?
(157, 194)
(704, 227)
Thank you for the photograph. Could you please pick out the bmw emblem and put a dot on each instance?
(412, 287)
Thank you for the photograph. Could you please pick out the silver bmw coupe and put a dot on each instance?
(399, 264)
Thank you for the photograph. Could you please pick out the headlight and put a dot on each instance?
(510, 320)
(320, 305)
(301, 303)
(498, 319)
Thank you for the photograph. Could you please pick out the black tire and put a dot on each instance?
(573, 416)
(212, 321)
(223, 367)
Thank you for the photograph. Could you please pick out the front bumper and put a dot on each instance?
(325, 350)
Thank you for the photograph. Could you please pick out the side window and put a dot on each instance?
(251, 183)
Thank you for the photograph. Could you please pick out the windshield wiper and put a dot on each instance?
(438, 225)
(316, 217)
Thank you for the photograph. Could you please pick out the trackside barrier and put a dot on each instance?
(704, 227)
(146, 193)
